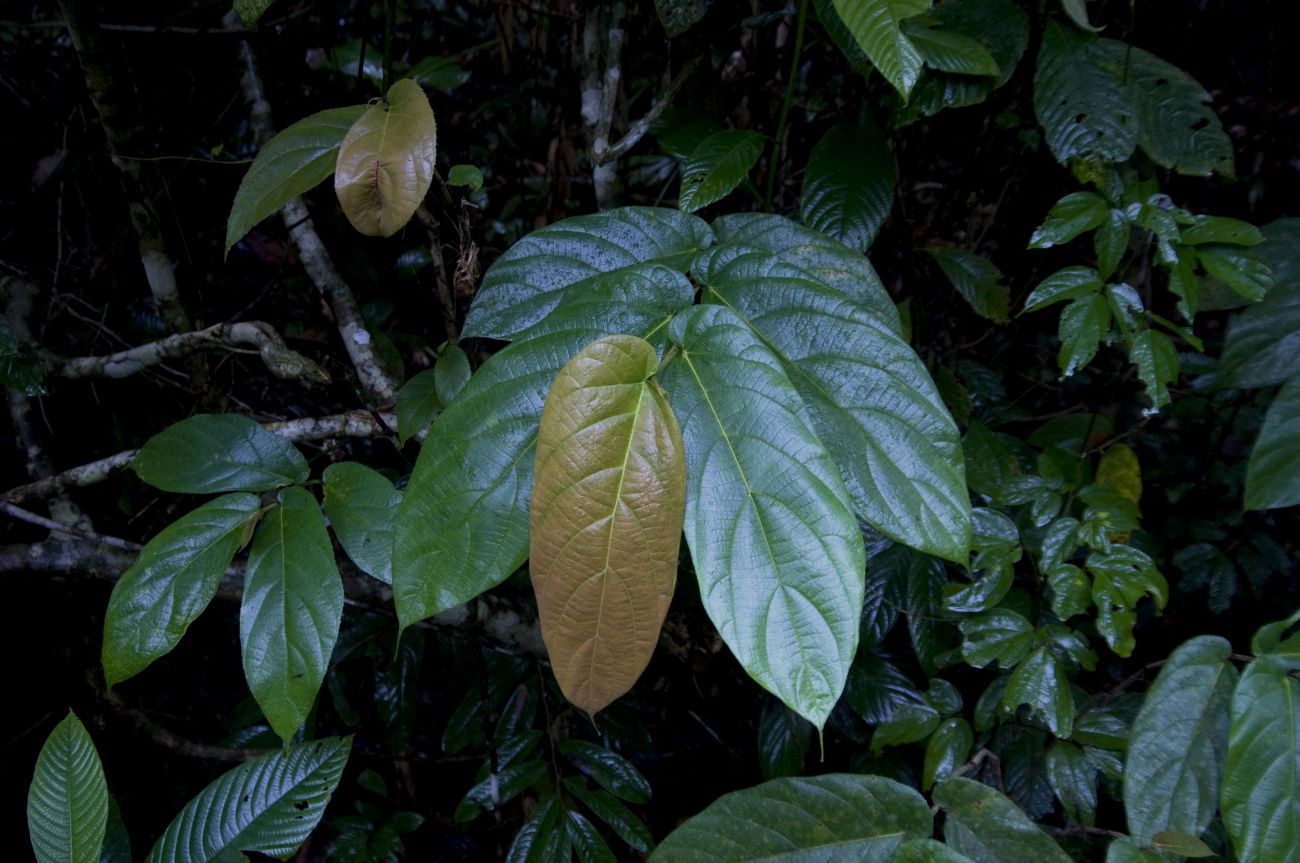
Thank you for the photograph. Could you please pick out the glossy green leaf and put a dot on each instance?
(1081, 100)
(1070, 283)
(451, 372)
(837, 816)
(212, 453)
(1125, 850)
(614, 814)
(293, 604)
(67, 802)
(269, 805)
(1078, 12)
(606, 518)
(418, 404)
(612, 771)
(988, 828)
(1084, 323)
(848, 188)
(717, 166)
(361, 504)
(871, 399)
(774, 542)
(1076, 213)
(170, 583)
(586, 839)
(588, 253)
(1240, 269)
(1122, 575)
(826, 260)
(543, 838)
(1273, 475)
(249, 11)
(1176, 126)
(1157, 362)
(386, 161)
(469, 176)
(1181, 844)
(295, 161)
(783, 740)
(908, 723)
(1073, 777)
(1000, 636)
(926, 851)
(876, 27)
(1111, 241)
(1262, 348)
(947, 750)
(977, 279)
(947, 51)
(1261, 783)
(1040, 682)
(1220, 229)
(462, 527)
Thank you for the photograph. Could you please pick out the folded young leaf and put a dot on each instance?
(606, 518)
(386, 161)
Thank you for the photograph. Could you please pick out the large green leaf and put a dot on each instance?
(296, 160)
(977, 279)
(293, 604)
(269, 805)
(361, 504)
(585, 252)
(1263, 344)
(1261, 784)
(871, 398)
(825, 259)
(848, 189)
(1273, 475)
(386, 161)
(1179, 742)
(832, 817)
(1081, 100)
(463, 524)
(170, 583)
(876, 26)
(212, 453)
(1176, 126)
(717, 166)
(606, 518)
(67, 803)
(988, 828)
(772, 535)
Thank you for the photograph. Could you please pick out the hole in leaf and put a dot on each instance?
(300, 805)
(1080, 117)
(1162, 82)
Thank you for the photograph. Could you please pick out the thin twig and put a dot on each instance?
(59, 527)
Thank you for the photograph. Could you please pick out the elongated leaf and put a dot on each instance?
(717, 166)
(1179, 742)
(586, 839)
(361, 505)
(1078, 12)
(1156, 358)
(293, 604)
(295, 161)
(386, 161)
(1125, 850)
(1263, 344)
(606, 518)
(270, 805)
(543, 837)
(171, 582)
(585, 252)
(1240, 269)
(768, 520)
(67, 803)
(948, 51)
(1070, 283)
(612, 771)
(1081, 100)
(947, 750)
(212, 453)
(1069, 217)
(876, 26)
(608, 809)
(1073, 777)
(838, 816)
(1273, 476)
(927, 851)
(988, 828)
(1176, 126)
(1084, 323)
(848, 189)
(977, 279)
(825, 259)
(463, 523)
(1261, 784)
(871, 398)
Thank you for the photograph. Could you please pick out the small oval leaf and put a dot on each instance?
(386, 161)
(361, 504)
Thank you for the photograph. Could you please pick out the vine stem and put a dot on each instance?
(785, 104)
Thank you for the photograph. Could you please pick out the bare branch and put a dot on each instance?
(639, 129)
(280, 360)
(59, 527)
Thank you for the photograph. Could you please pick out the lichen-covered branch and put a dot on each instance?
(279, 359)
(376, 380)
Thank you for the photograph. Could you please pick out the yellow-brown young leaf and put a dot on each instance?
(386, 161)
(606, 521)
